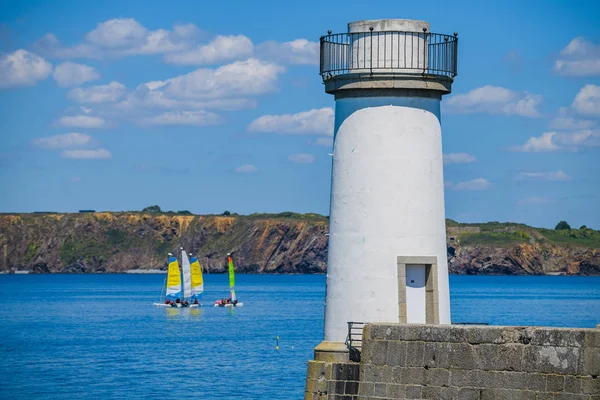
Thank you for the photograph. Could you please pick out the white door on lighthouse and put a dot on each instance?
(415, 294)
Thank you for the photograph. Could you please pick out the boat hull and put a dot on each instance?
(229, 305)
(177, 306)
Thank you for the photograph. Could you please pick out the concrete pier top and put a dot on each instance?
(389, 25)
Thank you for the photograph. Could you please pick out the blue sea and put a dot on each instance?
(98, 336)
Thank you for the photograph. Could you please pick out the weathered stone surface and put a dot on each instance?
(380, 390)
(414, 354)
(437, 377)
(465, 378)
(590, 385)
(346, 372)
(536, 382)
(503, 379)
(555, 383)
(379, 352)
(591, 361)
(499, 357)
(413, 392)
(351, 388)
(571, 396)
(413, 376)
(462, 355)
(550, 359)
(396, 391)
(592, 337)
(468, 394)
(396, 355)
(509, 394)
(431, 392)
(366, 389)
(572, 384)
(484, 334)
(557, 337)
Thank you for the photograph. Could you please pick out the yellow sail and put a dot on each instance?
(173, 279)
(197, 281)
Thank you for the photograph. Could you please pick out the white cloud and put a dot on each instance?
(569, 123)
(81, 121)
(579, 58)
(246, 169)
(119, 32)
(475, 184)
(540, 144)
(495, 100)
(71, 74)
(574, 140)
(119, 37)
(554, 141)
(536, 200)
(238, 79)
(324, 141)
(587, 101)
(125, 36)
(544, 176)
(316, 121)
(221, 48)
(75, 179)
(22, 68)
(150, 96)
(97, 154)
(184, 99)
(299, 51)
(302, 158)
(197, 118)
(49, 46)
(459, 158)
(98, 94)
(65, 141)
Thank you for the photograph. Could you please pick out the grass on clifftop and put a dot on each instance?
(503, 234)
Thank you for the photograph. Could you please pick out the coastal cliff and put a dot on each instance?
(280, 243)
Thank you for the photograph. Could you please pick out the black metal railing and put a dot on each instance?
(389, 52)
(354, 340)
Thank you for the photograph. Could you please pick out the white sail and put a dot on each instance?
(187, 278)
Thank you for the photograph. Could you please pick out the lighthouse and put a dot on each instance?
(387, 236)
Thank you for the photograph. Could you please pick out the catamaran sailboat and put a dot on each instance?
(232, 301)
(193, 285)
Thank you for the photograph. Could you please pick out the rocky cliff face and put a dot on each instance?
(117, 242)
(288, 243)
(523, 259)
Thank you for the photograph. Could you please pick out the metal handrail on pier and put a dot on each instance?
(354, 340)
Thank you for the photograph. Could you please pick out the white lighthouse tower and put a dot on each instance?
(387, 235)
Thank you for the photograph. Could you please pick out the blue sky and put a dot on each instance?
(212, 106)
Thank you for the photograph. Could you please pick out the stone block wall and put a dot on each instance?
(479, 362)
(332, 380)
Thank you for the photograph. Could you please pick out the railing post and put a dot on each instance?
(455, 66)
(371, 58)
(322, 55)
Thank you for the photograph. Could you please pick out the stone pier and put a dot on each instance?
(406, 361)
